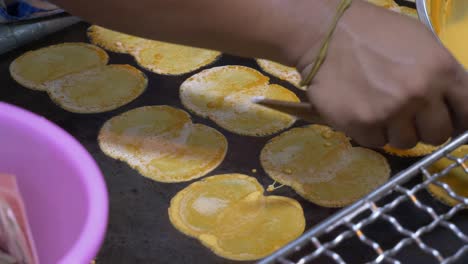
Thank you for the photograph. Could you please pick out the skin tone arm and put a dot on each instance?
(386, 79)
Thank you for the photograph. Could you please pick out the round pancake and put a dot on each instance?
(357, 172)
(34, 68)
(243, 117)
(286, 158)
(163, 144)
(194, 210)
(282, 72)
(419, 150)
(204, 92)
(223, 212)
(456, 178)
(274, 220)
(322, 166)
(156, 56)
(171, 59)
(224, 94)
(113, 40)
(99, 89)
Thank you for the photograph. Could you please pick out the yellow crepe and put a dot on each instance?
(357, 172)
(224, 212)
(194, 210)
(255, 227)
(419, 150)
(34, 68)
(159, 57)
(76, 77)
(172, 59)
(457, 178)
(113, 40)
(163, 144)
(282, 72)
(224, 94)
(322, 166)
(99, 89)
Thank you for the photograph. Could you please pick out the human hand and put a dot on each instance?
(387, 79)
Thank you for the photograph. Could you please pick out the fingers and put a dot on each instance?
(371, 137)
(402, 133)
(457, 98)
(434, 124)
(366, 133)
(412, 110)
(430, 124)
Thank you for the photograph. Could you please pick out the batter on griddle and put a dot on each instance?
(156, 56)
(76, 77)
(223, 212)
(224, 94)
(421, 149)
(322, 166)
(282, 72)
(35, 68)
(162, 143)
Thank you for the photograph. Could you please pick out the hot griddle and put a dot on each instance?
(139, 230)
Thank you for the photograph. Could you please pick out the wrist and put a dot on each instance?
(299, 28)
(309, 35)
(340, 13)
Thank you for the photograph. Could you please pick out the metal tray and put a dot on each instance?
(139, 229)
(397, 223)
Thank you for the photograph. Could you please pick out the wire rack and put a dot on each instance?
(396, 222)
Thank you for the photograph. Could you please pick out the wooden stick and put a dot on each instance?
(304, 111)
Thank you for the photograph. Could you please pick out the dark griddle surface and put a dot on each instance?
(139, 230)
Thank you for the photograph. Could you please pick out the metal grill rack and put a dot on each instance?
(377, 234)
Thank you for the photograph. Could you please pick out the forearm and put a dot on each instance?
(272, 29)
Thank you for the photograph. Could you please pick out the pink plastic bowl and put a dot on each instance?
(63, 188)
